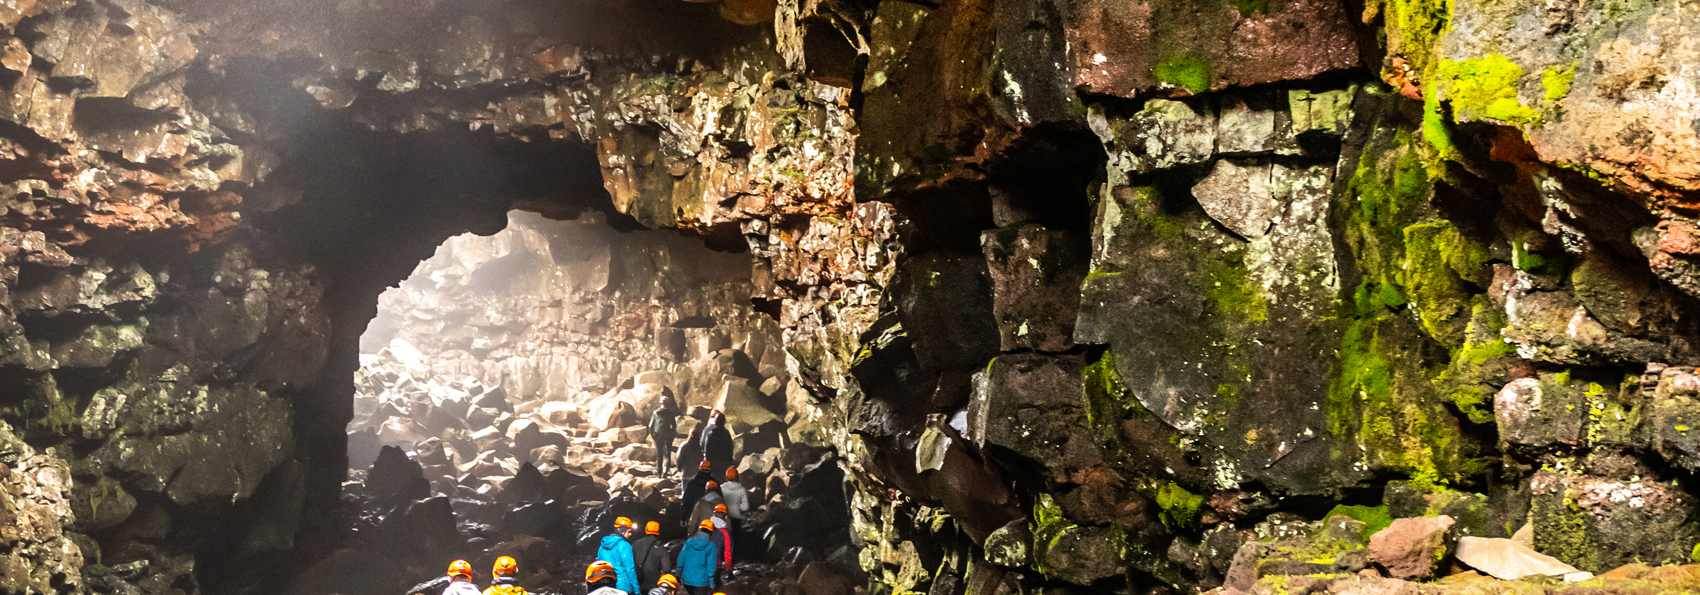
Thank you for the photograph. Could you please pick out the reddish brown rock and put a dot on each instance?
(1412, 548)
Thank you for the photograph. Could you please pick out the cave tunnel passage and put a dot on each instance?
(506, 388)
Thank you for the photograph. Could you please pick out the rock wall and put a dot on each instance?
(1082, 293)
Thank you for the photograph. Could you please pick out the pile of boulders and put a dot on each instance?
(445, 468)
(1359, 549)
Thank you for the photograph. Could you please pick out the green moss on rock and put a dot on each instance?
(1374, 518)
(1184, 70)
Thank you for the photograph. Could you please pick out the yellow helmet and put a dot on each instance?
(505, 566)
(461, 568)
(670, 581)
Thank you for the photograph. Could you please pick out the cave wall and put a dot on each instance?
(1109, 286)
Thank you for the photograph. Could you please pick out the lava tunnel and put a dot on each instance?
(955, 297)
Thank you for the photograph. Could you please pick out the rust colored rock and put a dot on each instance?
(1412, 548)
(748, 12)
(1180, 47)
(1679, 237)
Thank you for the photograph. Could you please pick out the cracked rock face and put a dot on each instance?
(1026, 294)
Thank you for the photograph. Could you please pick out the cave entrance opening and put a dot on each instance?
(506, 385)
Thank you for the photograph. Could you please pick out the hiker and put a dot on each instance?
(689, 455)
(502, 578)
(699, 560)
(668, 585)
(460, 579)
(616, 550)
(693, 491)
(717, 445)
(600, 578)
(704, 506)
(663, 429)
(723, 531)
(737, 502)
(650, 556)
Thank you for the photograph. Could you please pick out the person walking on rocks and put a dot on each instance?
(737, 503)
(705, 505)
(616, 550)
(723, 533)
(663, 429)
(717, 443)
(460, 579)
(698, 561)
(668, 585)
(502, 578)
(693, 492)
(651, 557)
(689, 455)
(600, 579)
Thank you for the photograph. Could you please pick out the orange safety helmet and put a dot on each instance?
(599, 570)
(705, 466)
(711, 485)
(622, 522)
(731, 474)
(652, 528)
(505, 566)
(668, 580)
(460, 567)
(706, 525)
(720, 508)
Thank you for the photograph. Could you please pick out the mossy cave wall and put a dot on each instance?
(1084, 294)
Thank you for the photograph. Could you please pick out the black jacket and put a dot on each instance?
(717, 443)
(652, 561)
(694, 490)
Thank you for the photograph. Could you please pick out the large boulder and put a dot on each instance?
(1412, 548)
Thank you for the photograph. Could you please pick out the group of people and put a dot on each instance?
(632, 563)
(501, 581)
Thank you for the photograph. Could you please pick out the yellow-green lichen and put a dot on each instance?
(1485, 89)
(1178, 507)
(1556, 82)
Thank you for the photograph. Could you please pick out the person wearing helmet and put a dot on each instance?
(698, 561)
(737, 503)
(703, 508)
(600, 579)
(723, 537)
(460, 579)
(693, 491)
(650, 556)
(502, 578)
(663, 428)
(616, 550)
(666, 585)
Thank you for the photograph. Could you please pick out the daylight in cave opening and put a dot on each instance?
(515, 382)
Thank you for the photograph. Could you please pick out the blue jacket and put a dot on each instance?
(617, 552)
(697, 561)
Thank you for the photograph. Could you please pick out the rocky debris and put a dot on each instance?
(36, 552)
(1413, 548)
(1507, 559)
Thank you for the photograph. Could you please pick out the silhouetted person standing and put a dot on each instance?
(663, 429)
(694, 490)
(690, 453)
(717, 443)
